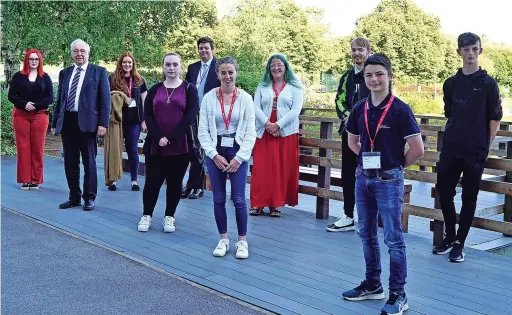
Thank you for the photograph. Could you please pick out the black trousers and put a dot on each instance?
(196, 176)
(170, 168)
(448, 174)
(76, 142)
(348, 176)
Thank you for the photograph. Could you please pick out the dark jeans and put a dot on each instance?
(348, 176)
(448, 175)
(375, 196)
(218, 181)
(170, 168)
(75, 143)
(131, 134)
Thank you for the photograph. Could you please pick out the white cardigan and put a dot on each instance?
(245, 134)
(289, 105)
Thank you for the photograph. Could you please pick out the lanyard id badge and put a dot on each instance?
(371, 160)
(227, 142)
(132, 103)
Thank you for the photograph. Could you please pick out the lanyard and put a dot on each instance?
(221, 100)
(130, 88)
(386, 110)
(276, 92)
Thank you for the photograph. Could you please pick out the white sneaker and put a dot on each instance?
(222, 248)
(144, 223)
(343, 223)
(242, 250)
(169, 224)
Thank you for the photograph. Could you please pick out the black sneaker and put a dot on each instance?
(365, 291)
(25, 186)
(33, 186)
(112, 187)
(457, 253)
(443, 248)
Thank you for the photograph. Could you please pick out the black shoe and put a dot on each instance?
(112, 187)
(443, 248)
(457, 253)
(69, 204)
(185, 193)
(135, 187)
(25, 186)
(196, 194)
(364, 291)
(88, 205)
(33, 186)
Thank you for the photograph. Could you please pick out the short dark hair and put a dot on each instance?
(468, 39)
(204, 40)
(379, 59)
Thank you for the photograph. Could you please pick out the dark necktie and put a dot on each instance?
(70, 105)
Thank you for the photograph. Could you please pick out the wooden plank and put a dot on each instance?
(308, 132)
(320, 143)
(437, 214)
(320, 161)
(319, 109)
(320, 119)
(324, 173)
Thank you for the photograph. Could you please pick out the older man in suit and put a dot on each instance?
(81, 113)
(204, 76)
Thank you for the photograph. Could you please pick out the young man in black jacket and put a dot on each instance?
(351, 90)
(473, 107)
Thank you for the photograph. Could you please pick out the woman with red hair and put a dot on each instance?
(31, 92)
(127, 79)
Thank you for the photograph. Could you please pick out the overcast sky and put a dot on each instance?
(490, 17)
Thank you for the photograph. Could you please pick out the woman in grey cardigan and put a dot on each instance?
(227, 135)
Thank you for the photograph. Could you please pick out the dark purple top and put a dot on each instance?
(167, 116)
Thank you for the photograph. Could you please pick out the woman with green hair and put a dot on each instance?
(278, 101)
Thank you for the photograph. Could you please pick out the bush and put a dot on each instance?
(151, 77)
(8, 144)
(422, 103)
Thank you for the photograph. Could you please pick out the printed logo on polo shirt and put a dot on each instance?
(385, 127)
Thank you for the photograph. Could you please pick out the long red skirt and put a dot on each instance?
(275, 172)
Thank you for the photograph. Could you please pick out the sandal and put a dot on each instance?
(256, 211)
(274, 212)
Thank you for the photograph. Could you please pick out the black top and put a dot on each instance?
(398, 125)
(133, 115)
(22, 91)
(470, 102)
(351, 90)
(155, 133)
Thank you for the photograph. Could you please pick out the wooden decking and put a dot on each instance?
(295, 266)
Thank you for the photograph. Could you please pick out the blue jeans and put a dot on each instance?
(218, 181)
(385, 195)
(131, 133)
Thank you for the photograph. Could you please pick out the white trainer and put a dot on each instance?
(144, 223)
(169, 225)
(242, 250)
(222, 248)
(343, 223)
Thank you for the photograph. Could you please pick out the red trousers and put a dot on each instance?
(30, 133)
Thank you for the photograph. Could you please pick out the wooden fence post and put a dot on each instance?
(423, 121)
(437, 226)
(324, 173)
(507, 209)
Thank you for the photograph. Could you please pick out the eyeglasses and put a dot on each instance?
(276, 66)
(81, 51)
(33, 59)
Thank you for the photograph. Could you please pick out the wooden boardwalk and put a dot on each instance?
(295, 267)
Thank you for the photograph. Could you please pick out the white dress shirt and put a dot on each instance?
(80, 82)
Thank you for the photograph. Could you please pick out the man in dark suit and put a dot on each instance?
(81, 113)
(204, 76)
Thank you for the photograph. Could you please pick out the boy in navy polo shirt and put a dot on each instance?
(473, 107)
(378, 129)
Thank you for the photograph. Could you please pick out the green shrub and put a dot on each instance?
(8, 143)
(422, 103)
(151, 77)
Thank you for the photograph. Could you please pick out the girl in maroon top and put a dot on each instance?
(169, 109)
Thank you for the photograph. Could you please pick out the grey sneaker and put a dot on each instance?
(396, 304)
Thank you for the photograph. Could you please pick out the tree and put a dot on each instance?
(411, 38)
(501, 57)
(110, 27)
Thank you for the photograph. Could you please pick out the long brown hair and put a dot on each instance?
(118, 79)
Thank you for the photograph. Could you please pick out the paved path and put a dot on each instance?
(45, 271)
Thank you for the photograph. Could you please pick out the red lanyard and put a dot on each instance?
(221, 100)
(130, 88)
(386, 110)
(276, 92)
